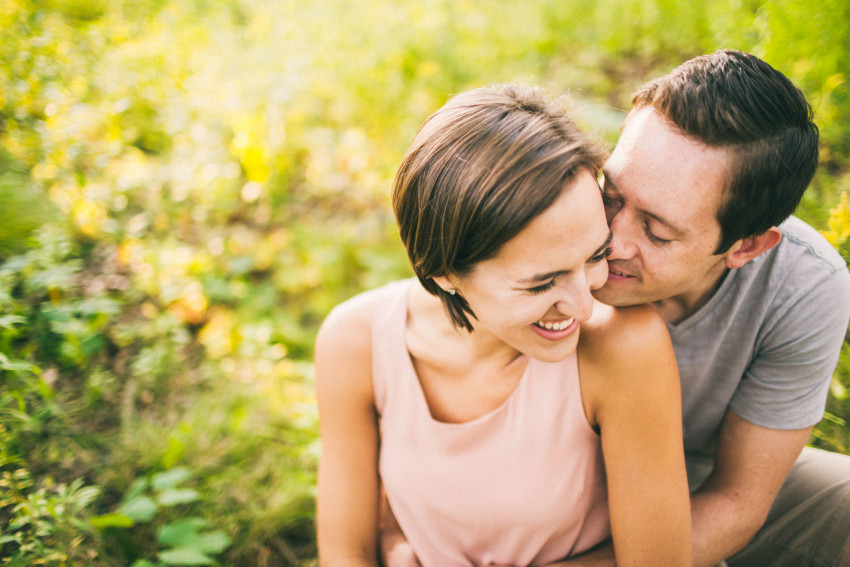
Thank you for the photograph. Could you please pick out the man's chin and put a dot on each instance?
(609, 295)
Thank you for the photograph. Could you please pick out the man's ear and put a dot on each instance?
(748, 248)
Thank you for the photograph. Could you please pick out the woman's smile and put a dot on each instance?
(555, 330)
(555, 325)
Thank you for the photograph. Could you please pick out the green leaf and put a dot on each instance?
(170, 479)
(834, 419)
(178, 533)
(184, 534)
(185, 557)
(212, 542)
(18, 523)
(83, 495)
(10, 321)
(175, 496)
(137, 488)
(139, 509)
(19, 366)
(113, 520)
(173, 453)
(143, 563)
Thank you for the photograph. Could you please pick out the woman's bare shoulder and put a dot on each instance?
(356, 313)
(627, 361)
(345, 336)
(622, 332)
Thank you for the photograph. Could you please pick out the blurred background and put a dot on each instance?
(188, 187)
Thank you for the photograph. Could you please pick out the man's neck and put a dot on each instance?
(679, 307)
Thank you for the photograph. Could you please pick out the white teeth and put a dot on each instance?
(557, 326)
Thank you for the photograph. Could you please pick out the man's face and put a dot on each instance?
(662, 191)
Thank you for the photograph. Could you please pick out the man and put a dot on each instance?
(711, 162)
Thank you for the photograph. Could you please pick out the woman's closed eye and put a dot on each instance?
(601, 256)
(542, 288)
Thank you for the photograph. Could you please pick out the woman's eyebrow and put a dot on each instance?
(549, 275)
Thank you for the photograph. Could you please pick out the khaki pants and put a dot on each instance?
(809, 523)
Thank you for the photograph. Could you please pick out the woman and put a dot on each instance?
(483, 396)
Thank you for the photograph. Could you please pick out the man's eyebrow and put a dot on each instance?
(548, 276)
(669, 224)
(665, 222)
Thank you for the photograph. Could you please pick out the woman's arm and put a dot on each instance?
(633, 395)
(347, 509)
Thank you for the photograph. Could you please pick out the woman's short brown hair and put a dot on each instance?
(478, 171)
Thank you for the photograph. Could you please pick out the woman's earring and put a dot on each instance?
(451, 291)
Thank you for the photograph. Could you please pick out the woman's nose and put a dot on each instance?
(576, 300)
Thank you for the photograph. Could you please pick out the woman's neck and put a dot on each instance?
(430, 334)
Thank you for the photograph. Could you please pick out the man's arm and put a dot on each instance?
(751, 463)
(784, 389)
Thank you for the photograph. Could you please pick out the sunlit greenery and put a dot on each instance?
(188, 187)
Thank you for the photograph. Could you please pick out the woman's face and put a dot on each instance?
(534, 293)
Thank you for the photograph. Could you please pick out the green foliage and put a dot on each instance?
(24, 207)
(189, 187)
(181, 539)
(832, 432)
(838, 231)
(46, 526)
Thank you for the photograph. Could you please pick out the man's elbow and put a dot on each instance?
(747, 516)
(752, 521)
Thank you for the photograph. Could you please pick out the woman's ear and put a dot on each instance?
(748, 248)
(445, 284)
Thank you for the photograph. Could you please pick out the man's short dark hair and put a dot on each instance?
(734, 100)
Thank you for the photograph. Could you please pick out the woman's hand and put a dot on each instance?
(396, 551)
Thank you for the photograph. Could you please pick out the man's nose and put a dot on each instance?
(624, 233)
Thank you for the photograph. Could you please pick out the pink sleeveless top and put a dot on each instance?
(521, 485)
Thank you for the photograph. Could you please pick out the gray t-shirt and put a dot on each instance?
(765, 345)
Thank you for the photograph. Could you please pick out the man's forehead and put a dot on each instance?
(645, 123)
(666, 173)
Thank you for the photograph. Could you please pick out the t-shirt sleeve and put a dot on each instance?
(786, 384)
